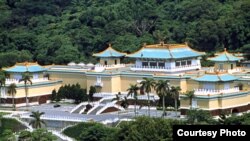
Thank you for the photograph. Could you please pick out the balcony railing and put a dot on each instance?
(110, 66)
(238, 69)
(214, 92)
(212, 70)
(9, 81)
(165, 69)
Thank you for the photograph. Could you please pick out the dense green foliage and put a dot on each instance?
(196, 116)
(9, 125)
(74, 92)
(146, 128)
(7, 135)
(235, 120)
(37, 135)
(59, 31)
(143, 128)
(89, 131)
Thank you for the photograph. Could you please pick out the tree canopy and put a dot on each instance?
(60, 31)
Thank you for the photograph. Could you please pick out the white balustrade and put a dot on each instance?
(214, 92)
(110, 66)
(9, 81)
(165, 69)
(235, 70)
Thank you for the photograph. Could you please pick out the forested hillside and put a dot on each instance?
(59, 31)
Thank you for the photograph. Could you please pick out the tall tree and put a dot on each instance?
(12, 91)
(26, 78)
(190, 95)
(196, 116)
(147, 85)
(162, 88)
(124, 102)
(37, 121)
(92, 91)
(175, 91)
(133, 92)
(53, 95)
(2, 82)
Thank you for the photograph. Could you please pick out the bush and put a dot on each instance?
(89, 131)
(74, 92)
(10, 124)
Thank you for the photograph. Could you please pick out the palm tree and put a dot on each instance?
(92, 91)
(37, 121)
(12, 91)
(26, 78)
(147, 84)
(190, 95)
(117, 98)
(132, 91)
(175, 91)
(2, 82)
(162, 88)
(124, 102)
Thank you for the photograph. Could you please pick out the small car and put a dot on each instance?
(56, 105)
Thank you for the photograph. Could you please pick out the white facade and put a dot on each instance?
(167, 65)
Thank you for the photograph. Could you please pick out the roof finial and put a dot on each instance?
(144, 44)
(110, 45)
(186, 43)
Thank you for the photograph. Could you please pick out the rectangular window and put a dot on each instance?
(17, 76)
(161, 64)
(209, 86)
(144, 64)
(35, 76)
(221, 66)
(183, 63)
(189, 62)
(226, 85)
(153, 64)
(177, 63)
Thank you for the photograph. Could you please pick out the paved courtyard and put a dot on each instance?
(63, 113)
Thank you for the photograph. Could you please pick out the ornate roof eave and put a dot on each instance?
(227, 55)
(121, 54)
(27, 66)
(169, 47)
(215, 77)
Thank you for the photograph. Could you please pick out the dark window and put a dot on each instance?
(161, 64)
(115, 62)
(144, 64)
(183, 63)
(221, 66)
(189, 62)
(153, 64)
(177, 64)
(105, 62)
(232, 66)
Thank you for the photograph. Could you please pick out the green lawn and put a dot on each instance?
(3, 113)
(11, 124)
